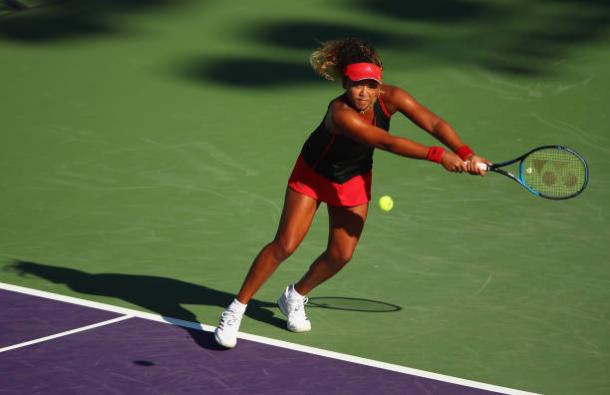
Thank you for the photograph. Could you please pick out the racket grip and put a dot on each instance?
(482, 166)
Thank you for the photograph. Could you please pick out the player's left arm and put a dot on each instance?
(397, 99)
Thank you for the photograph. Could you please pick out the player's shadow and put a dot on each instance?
(164, 296)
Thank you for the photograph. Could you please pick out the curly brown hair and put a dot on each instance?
(333, 56)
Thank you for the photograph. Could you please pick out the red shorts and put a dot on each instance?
(353, 192)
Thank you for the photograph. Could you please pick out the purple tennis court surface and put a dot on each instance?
(143, 356)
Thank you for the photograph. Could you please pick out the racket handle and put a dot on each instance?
(481, 165)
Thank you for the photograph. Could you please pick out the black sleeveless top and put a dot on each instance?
(339, 157)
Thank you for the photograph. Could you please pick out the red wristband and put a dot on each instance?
(464, 152)
(435, 154)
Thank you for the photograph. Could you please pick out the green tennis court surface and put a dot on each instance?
(146, 146)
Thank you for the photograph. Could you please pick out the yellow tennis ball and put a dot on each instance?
(386, 203)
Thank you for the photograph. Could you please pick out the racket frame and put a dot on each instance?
(496, 168)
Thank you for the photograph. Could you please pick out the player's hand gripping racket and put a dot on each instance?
(551, 172)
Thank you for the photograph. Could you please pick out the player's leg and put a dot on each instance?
(297, 215)
(345, 228)
(346, 224)
(295, 221)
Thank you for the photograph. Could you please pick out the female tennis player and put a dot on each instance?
(334, 167)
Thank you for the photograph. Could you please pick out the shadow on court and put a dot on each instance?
(245, 72)
(437, 11)
(47, 21)
(161, 295)
(165, 296)
(519, 38)
(306, 35)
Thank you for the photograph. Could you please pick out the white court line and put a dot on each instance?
(265, 340)
(66, 333)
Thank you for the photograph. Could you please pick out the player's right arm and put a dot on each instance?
(347, 122)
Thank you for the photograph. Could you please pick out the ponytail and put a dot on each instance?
(333, 56)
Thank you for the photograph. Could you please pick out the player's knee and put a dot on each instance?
(283, 248)
(340, 257)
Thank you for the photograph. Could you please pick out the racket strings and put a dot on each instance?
(554, 172)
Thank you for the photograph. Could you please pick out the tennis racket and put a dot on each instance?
(551, 172)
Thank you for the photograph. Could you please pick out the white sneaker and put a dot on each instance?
(226, 331)
(293, 306)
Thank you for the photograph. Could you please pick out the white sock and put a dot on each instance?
(293, 292)
(237, 306)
